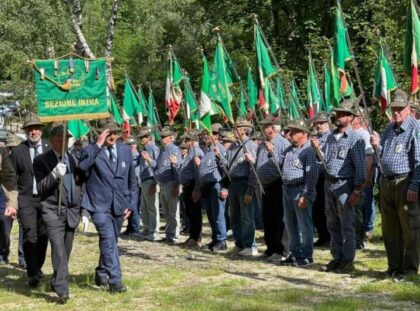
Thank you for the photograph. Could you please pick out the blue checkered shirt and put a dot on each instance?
(210, 169)
(188, 171)
(146, 170)
(400, 151)
(268, 167)
(166, 171)
(300, 167)
(322, 137)
(345, 157)
(238, 166)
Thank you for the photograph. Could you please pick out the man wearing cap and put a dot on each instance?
(189, 181)
(35, 238)
(365, 209)
(269, 155)
(110, 195)
(8, 204)
(57, 178)
(147, 163)
(322, 129)
(213, 195)
(168, 164)
(344, 158)
(300, 174)
(242, 189)
(399, 186)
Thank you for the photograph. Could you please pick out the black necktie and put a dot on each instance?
(112, 158)
(68, 181)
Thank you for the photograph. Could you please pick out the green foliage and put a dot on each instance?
(32, 28)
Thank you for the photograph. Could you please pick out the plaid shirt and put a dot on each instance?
(188, 170)
(300, 167)
(400, 151)
(210, 169)
(266, 166)
(322, 137)
(166, 171)
(146, 170)
(345, 156)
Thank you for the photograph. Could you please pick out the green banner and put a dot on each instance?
(69, 89)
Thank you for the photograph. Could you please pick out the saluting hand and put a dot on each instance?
(102, 137)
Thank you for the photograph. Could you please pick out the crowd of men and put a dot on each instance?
(312, 176)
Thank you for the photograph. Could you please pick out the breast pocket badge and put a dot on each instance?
(341, 153)
(398, 148)
(297, 164)
(166, 163)
(209, 162)
(123, 165)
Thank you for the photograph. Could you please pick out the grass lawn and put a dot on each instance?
(163, 277)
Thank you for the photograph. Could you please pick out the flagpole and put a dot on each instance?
(368, 122)
(63, 150)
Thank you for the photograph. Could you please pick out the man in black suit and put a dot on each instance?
(35, 239)
(58, 178)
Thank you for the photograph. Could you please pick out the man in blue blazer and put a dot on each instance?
(110, 196)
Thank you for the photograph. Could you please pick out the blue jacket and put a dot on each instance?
(108, 190)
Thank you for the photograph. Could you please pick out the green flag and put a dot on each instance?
(113, 109)
(77, 128)
(131, 106)
(252, 90)
(384, 78)
(292, 110)
(335, 83)
(205, 101)
(280, 93)
(152, 121)
(271, 97)
(173, 93)
(312, 90)
(341, 49)
(221, 81)
(295, 94)
(328, 96)
(142, 101)
(191, 104)
(242, 109)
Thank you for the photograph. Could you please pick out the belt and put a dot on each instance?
(240, 178)
(293, 185)
(336, 179)
(35, 195)
(397, 176)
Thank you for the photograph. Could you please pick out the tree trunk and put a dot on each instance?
(276, 23)
(111, 28)
(82, 46)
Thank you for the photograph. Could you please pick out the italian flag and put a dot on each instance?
(412, 45)
(173, 93)
(384, 78)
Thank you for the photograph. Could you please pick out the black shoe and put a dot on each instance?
(62, 299)
(100, 281)
(322, 243)
(393, 274)
(40, 275)
(219, 247)
(117, 288)
(289, 261)
(33, 282)
(345, 267)
(331, 266)
(211, 244)
(23, 265)
(125, 233)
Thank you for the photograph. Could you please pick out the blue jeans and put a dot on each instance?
(368, 210)
(340, 219)
(133, 225)
(298, 223)
(215, 209)
(242, 215)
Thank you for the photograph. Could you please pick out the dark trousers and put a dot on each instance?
(275, 235)
(35, 237)
(21, 255)
(5, 228)
(108, 227)
(193, 212)
(318, 211)
(61, 239)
